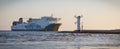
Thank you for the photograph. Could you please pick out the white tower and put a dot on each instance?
(78, 22)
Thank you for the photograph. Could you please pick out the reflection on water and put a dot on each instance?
(51, 45)
(100, 47)
(53, 40)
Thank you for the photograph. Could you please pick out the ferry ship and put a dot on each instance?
(45, 23)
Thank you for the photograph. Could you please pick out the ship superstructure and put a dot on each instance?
(45, 23)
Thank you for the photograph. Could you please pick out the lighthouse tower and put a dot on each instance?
(78, 23)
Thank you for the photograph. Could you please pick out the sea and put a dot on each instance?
(55, 40)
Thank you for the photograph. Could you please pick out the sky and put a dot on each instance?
(97, 14)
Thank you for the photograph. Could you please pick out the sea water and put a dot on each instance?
(54, 40)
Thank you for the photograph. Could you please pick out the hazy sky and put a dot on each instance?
(97, 14)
